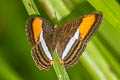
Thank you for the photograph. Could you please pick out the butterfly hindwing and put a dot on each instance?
(74, 35)
(41, 60)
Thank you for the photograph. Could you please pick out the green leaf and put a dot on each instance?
(30, 7)
(110, 9)
(60, 71)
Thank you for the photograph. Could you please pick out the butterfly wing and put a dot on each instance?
(35, 25)
(40, 33)
(74, 35)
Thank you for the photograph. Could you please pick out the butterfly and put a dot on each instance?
(69, 41)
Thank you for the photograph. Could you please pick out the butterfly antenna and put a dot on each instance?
(56, 18)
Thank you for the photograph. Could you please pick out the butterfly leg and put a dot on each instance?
(61, 61)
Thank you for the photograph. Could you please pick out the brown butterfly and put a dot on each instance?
(69, 41)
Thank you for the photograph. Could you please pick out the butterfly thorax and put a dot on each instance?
(55, 32)
(54, 39)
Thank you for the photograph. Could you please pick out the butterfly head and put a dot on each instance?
(56, 26)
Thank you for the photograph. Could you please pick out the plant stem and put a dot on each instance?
(30, 7)
(60, 71)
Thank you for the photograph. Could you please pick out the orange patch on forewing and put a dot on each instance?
(37, 27)
(86, 25)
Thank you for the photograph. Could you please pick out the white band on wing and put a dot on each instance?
(44, 46)
(70, 43)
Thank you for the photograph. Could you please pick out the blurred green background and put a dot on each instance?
(100, 61)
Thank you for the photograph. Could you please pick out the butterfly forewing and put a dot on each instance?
(65, 33)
